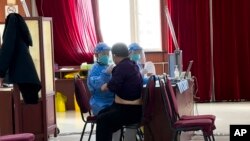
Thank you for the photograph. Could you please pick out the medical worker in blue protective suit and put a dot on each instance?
(99, 74)
(136, 54)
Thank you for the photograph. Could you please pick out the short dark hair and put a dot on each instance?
(120, 50)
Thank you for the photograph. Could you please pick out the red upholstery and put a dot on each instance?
(192, 125)
(148, 104)
(148, 100)
(82, 95)
(179, 125)
(82, 98)
(18, 137)
(212, 117)
(173, 101)
(91, 118)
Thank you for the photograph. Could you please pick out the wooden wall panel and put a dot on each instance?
(160, 60)
(20, 8)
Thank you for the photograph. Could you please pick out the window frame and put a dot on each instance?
(134, 27)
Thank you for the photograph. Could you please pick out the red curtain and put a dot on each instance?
(73, 29)
(191, 23)
(95, 6)
(231, 20)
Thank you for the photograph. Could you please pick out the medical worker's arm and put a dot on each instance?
(97, 77)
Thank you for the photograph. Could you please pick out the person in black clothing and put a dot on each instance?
(15, 58)
(126, 83)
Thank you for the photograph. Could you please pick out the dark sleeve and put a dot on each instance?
(117, 80)
(8, 46)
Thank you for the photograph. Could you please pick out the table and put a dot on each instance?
(6, 111)
(67, 88)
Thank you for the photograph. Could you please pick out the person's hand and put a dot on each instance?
(110, 68)
(149, 74)
(1, 82)
(104, 87)
(144, 71)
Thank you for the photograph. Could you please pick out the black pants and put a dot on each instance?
(29, 92)
(114, 117)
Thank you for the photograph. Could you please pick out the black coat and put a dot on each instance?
(16, 59)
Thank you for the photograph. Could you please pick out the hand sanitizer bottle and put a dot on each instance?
(176, 72)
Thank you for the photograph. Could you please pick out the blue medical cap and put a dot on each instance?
(134, 46)
(100, 47)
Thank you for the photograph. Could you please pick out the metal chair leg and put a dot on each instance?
(175, 136)
(91, 130)
(140, 134)
(205, 137)
(213, 139)
(83, 130)
(122, 135)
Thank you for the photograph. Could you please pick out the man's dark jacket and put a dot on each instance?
(16, 59)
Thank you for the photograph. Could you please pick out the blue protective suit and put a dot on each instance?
(145, 78)
(97, 76)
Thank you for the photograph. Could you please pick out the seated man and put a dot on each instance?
(126, 83)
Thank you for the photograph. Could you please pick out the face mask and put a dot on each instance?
(136, 57)
(104, 59)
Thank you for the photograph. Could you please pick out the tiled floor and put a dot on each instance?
(70, 123)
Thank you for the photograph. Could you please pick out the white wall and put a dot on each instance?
(1, 32)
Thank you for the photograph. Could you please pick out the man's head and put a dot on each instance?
(119, 52)
(135, 52)
(102, 53)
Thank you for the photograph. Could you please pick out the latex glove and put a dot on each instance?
(144, 71)
(110, 68)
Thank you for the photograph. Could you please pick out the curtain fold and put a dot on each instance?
(191, 23)
(95, 6)
(231, 22)
(73, 29)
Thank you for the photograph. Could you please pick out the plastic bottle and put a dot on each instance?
(176, 72)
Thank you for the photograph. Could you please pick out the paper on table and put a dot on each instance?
(67, 69)
(150, 67)
(182, 85)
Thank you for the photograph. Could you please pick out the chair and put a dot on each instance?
(178, 125)
(148, 99)
(82, 98)
(18, 137)
(132, 126)
(146, 108)
(173, 101)
(172, 97)
(147, 105)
